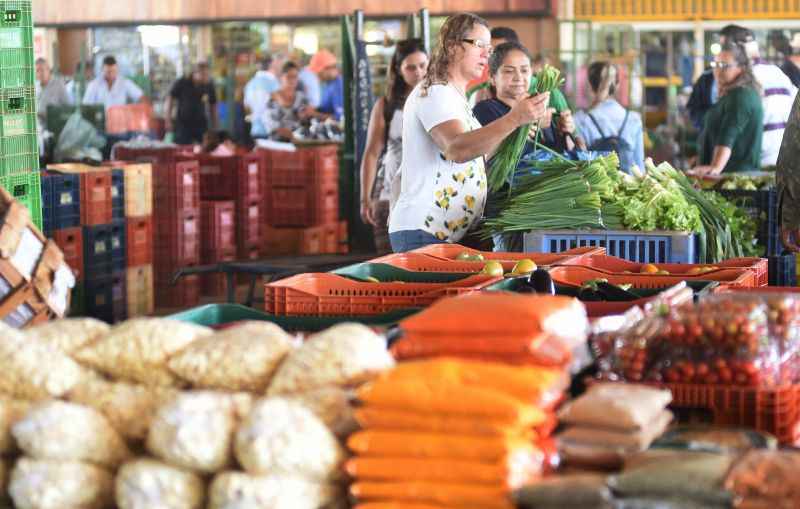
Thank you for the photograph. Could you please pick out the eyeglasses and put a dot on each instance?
(722, 65)
(481, 45)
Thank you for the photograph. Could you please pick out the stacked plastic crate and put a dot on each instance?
(302, 197)
(103, 230)
(132, 197)
(19, 147)
(61, 214)
(218, 240)
(176, 229)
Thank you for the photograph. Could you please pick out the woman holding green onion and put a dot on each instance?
(443, 178)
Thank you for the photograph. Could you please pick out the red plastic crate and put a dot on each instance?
(330, 294)
(775, 411)
(184, 293)
(238, 177)
(140, 240)
(96, 197)
(70, 241)
(176, 186)
(176, 238)
(129, 118)
(214, 285)
(249, 219)
(150, 155)
(307, 167)
(576, 276)
(299, 207)
(218, 226)
(442, 258)
(614, 265)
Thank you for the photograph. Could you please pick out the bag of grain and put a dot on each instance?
(61, 431)
(345, 355)
(138, 350)
(11, 411)
(46, 484)
(237, 490)
(242, 358)
(148, 484)
(334, 406)
(282, 437)
(71, 334)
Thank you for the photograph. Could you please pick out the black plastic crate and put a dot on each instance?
(118, 194)
(61, 201)
(763, 207)
(106, 297)
(783, 270)
(104, 248)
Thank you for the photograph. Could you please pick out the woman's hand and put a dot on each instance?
(704, 171)
(284, 133)
(368, 209)
(531, 109)
(566, 124)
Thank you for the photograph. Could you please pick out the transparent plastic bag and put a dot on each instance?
(766, 476)
(146, 483)
(78, 139)
(46, 484)
(237, 490)
(70, 334)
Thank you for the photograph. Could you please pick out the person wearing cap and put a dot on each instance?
(196, 102)
(257, 93)
(325, 65)
(111, 89)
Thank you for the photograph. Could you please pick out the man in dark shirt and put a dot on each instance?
(194, 96)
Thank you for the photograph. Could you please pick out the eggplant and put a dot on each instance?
(541, 282)
(614, 293)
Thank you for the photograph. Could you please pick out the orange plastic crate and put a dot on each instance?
(328, 294)
(442, 258)
(614, 265)
(576, 276)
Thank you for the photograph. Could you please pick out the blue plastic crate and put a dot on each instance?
(104, 250)
(106, 297)
(60, 201)
(118, 194)
(642, 247)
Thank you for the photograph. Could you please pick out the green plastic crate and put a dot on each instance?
(389, 273)
(216, 315)
(77, 305)
(16, 44)
(26, 188)
(57, 117)
(19, 149)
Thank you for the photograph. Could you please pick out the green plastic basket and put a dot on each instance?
(385, 273)
(19, 149)
(218, 315)
(16, 44)
(26, 188)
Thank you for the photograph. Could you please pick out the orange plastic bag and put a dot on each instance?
(458, 495)
(512, 472)
(527, 383)
(426, 344)
(436, 396)
(437, 445)
(370, 417)
(489, 313)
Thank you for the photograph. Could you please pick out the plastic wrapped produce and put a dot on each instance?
(61, 431)
(11, 411)
(765, 479)
(46, 484)
(71, 334)
(237, 490)
(242, 358)
(138, 350)
(616, 406)
(194, 431)
(129, 408)
(34, 370)
(344, 355)
(146, 483)
(283, 437)
(333, 406)
(566, 492)
(613, 438)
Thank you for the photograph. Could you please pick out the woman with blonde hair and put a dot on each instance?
(443, 176)
(608, 126)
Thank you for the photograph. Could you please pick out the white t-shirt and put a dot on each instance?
(443, 198)
(778, 98)
(119, 94)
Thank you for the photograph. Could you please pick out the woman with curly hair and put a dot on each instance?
(443, 177)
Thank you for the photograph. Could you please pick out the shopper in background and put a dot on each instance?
(325, 66)
(111, 89)
(479, 90)
(196, 102)
(50, 90)
(443, 178)
(731, 137)
(288, 107)
(74, 84)
(309, 82)
(788, 180)
(257, 93)
(608, 126)
(385, 137)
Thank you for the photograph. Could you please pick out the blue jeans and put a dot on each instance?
(408, 240)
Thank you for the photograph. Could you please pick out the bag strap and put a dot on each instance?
(594, 121)
(624, 122)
